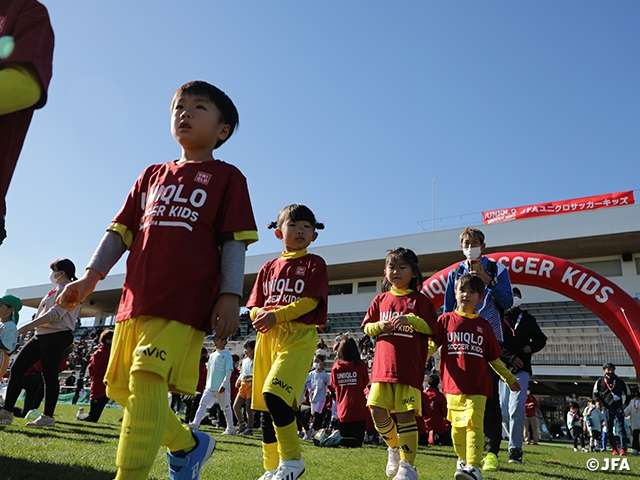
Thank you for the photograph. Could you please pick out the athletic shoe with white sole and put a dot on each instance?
(189, 466)
(289, 470)
(406, 471)
(393, 461)
(42, 421)
(468, 473)
(268, 475)
(6, 417)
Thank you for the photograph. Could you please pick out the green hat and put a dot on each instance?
(14, 302)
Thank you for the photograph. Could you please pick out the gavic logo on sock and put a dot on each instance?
(151, 352)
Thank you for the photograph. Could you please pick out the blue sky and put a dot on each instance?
(353, 108)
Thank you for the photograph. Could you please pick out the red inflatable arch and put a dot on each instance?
(606, 299)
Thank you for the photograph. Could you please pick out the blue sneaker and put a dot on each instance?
(189, 466)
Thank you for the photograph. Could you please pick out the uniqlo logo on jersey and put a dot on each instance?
(203, 178)
(301, 270)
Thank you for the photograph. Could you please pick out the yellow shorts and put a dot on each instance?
(152, 344)
(282, 361)
(466, 410)
(245, 390)
(395, 397)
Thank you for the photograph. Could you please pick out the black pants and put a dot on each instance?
(49, 349)
(352, 433)
(493, 418)
(33, 386)
(97, 406)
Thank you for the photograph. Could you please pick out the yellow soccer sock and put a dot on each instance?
(288, 441)
(388, 432)
(475, 446)
(270, 457)
(408, 440)
(459, 440)
(178, 436)
(143, 424)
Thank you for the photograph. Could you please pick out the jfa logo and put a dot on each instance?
(301, 270)
(479, 329)
(610, 464)
(203, 178)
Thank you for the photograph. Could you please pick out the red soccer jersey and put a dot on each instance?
(349, 380)
(179, 216)
(434, 411)
(467, 345)
(282, 281)
(401, 355)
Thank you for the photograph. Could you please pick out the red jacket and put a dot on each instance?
(97, 369)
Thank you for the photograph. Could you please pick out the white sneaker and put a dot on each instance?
(393, 461)
(468, 473)
(268, 475)
(289, 469)
(406, 471)
(6, 417)
(229, 431)
(575, 449)
(460, 464)
(193, 426)
(42, 421)
(308, 435)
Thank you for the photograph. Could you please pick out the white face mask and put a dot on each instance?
(316, 365)
(516, 302)
(472, 253)
(53, 276)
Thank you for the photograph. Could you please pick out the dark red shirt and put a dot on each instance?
(349, 380)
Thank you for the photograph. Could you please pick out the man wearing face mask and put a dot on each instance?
(614, 396)
(498, 297)
(522, 338)
(54, 334)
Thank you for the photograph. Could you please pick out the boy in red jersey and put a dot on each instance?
(397, 319)
(186, 224)
(287, 303)
(468, 348)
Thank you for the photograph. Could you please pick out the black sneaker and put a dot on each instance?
(515, 455)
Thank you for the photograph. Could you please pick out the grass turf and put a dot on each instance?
(86, 451)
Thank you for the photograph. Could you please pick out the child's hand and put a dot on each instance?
(225, 315)
(515, 387)
(385, 326)
(399, 320)
(265, 321)
(221, 390)
(74, 293)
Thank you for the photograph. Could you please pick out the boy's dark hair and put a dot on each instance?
(106, 335)
(251, 344)
(64, 265)
(348, 350)
(433, 380)
(574, 405)
(474, 282)
(405, 255)
(473, 233)
(296, 213)
(608, 365)
(228, 111)
(319, 358)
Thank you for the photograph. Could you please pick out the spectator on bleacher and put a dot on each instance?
(434, 413)
(336, 341)
(349, 378)
(633, 412)
(522, 337)
(54, 334)
(322, 349)
(614, 395)
(97, 369)
(327, 326)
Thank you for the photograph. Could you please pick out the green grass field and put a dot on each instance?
(83, 451)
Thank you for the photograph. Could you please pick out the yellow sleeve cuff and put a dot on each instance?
(296, 309)
(372, 329)
(20, 88)
(253, 313)
(124, 232)
(247, 236)
(433, 348)
(419, 325)
(504, 373)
